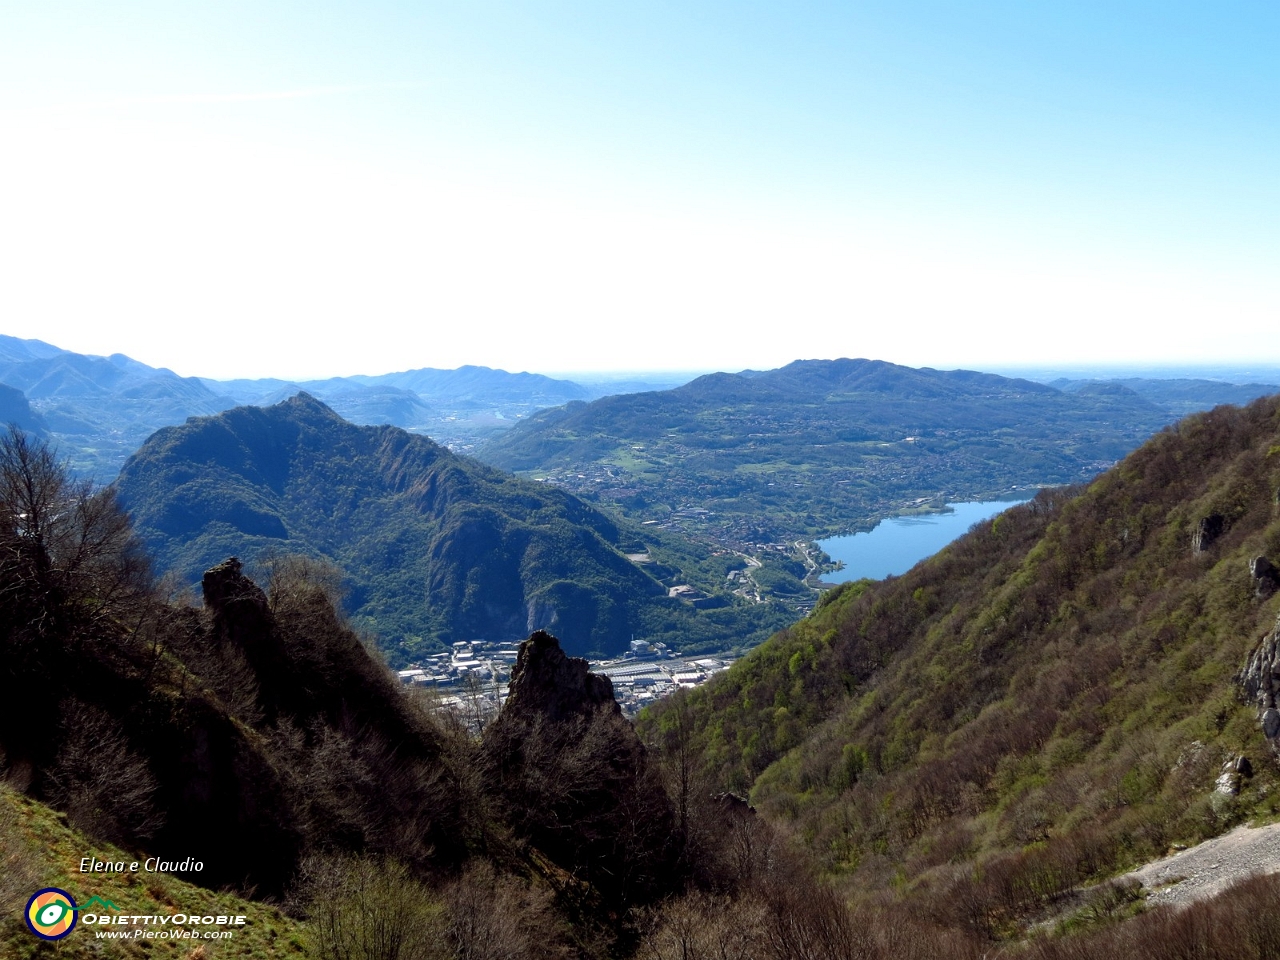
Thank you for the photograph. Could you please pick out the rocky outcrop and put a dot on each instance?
(575, 779)
(1265, 577)
(1260, 681)
(541, 614)
(233, 596)
(1235, 770)
(242, 621)
(1208, 530)
(549, 684)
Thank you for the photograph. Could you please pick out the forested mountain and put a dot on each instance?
(1068, 690)
(821, 447)
(436, 547)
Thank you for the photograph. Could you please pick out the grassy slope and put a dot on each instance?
(37, 844)
(1052, 692)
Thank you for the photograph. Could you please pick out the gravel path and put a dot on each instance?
(1209, 868)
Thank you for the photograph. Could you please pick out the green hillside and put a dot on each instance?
(1048, 700)
(435, 547)
(821, 447)
(945, 764)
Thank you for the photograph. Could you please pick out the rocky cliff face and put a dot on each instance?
(1260, 680)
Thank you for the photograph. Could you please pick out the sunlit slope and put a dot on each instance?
(1055, 690)
(38, 849)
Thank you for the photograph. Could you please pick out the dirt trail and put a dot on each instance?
(1207, 869)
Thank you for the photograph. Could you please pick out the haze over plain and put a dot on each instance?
(284, 190)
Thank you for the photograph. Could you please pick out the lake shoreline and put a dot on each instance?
(898, 543)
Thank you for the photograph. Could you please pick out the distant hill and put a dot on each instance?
(458, 408)
(16, 350)
(480, 383)
(99, 410)
(1178, 396)
(821, 447)
(16, 409)
(437, 547)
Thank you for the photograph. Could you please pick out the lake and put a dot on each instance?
(899, 543)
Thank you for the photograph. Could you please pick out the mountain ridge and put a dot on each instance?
(437, 548)
(820, 447)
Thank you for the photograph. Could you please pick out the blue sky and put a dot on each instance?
(251, 189)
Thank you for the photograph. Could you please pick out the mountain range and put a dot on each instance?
(100, 409)
(960, 762)
(436, 548)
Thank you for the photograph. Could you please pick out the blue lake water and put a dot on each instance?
(899, 543)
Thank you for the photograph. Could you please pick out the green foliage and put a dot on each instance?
(1048, 699)
(436, 548)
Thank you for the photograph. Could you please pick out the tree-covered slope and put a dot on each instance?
(1048, 699)
(256, 736)
(820, 447)
(436, 547)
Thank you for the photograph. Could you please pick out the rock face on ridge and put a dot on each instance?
(576, 780)
(1260, 680)
(1208, 530)
(549, 683)
(1265, 577)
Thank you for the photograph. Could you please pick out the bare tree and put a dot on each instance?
(703, 927)
(66, 549)
(105, 787)
(495, 917)
(366, 908)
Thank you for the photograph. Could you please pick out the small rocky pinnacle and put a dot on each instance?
(545, 681)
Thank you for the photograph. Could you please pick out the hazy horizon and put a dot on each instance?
(239, 191)
(668, 377)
